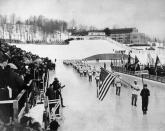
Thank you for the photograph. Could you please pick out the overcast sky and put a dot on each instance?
(147, 15)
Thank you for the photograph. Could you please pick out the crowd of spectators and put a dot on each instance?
(17, 69)
(27, 124)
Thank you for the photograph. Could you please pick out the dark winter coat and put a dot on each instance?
(14, 81)
(145, 93)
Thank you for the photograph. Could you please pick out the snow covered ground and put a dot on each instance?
(85, 48)
(83, 111)
(75, 50)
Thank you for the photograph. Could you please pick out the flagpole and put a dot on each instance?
(142, 80)
(97, 91)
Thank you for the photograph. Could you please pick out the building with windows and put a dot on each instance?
(128, 36)
(96, 33)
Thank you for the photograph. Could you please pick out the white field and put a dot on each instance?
(85, 48)
(83, 112)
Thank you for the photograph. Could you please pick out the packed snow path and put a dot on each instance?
(83, 112)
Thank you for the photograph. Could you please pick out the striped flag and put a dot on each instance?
(156, 64)
(136, 59)
(106, 79)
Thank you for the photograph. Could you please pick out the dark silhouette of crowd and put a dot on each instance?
(17, 70)
(18, 67)
(27, 124)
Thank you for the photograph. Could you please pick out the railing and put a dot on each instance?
(46, 113)
(146, 76)
(46, 83)
(14, 107)
(53, 108)
(55, 111)
(21, 98)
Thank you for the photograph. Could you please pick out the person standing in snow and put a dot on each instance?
(118, 85)
(145, 93)
(57, 88)
(135, 91)
(90, 75)
(97, 78)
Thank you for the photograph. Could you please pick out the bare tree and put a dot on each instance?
(92, 28)
(32, 25)
(72, 24)
(33, 29)
(10, 30)
(19, 24)
(3, 22)
(13, 19)
(82, 27)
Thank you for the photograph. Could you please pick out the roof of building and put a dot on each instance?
(134, 45)
(151, 48)
(110, 56)
(122, 30)
(96, 31)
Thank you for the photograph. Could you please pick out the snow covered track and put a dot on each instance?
(84, 112)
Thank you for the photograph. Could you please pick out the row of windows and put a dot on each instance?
(129, 41)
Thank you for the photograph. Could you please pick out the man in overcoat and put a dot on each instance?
(145, 93)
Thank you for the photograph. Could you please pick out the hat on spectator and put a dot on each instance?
(55, 79)
(24, 120)
(54, 125)
(3, 57)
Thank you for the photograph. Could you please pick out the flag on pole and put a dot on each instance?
(136, 62)
(129, 58)
(106, 79)
(136, 59)
(156, 64)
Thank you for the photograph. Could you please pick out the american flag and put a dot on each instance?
(106, 79)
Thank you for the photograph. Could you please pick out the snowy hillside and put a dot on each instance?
(75, 50)
(84, 48)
